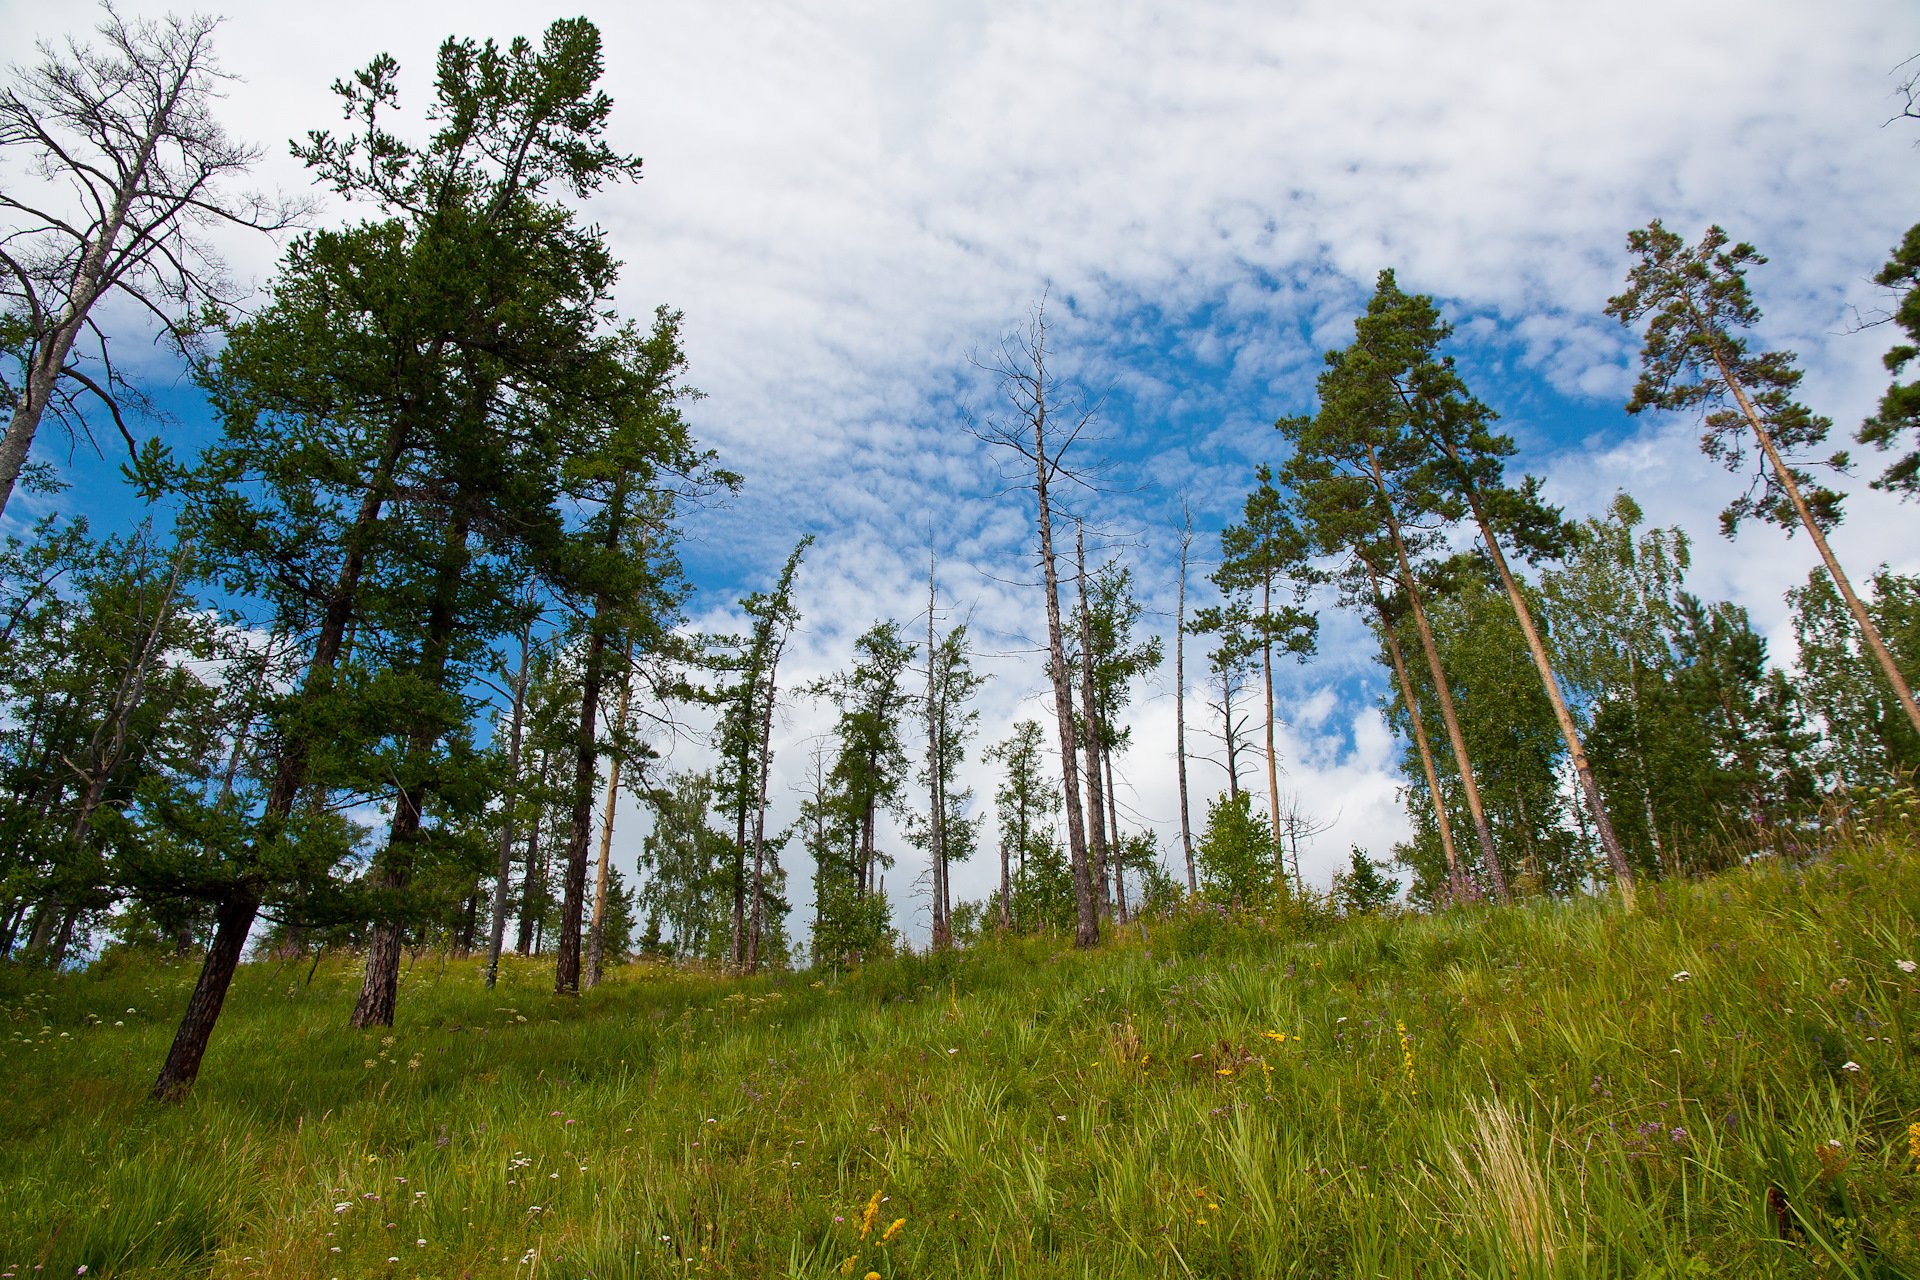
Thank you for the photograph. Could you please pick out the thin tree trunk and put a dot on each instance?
(497, 935)
(1087, 921)
(1180, 701)
(776, 647)
(1868, 632)
(566, 973)
(596, 933)
(1456, 879)
(1443, 691)
(1096, 802)
(1113, 840)
(1582, 767)
(1273, 757)
(936, 804)
(380, 988)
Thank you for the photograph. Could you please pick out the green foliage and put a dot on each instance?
(1362, 889)
(1696, 358)
(1867, 740)
(1236, 855)
(1899, 411)
(1480, 1088)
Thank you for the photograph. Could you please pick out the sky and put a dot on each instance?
(856, 203)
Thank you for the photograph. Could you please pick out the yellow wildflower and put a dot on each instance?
(846, 1268)
(1406, 1051)
(893, 1230)
(1278, 1037)
(866, 1219)
(1225, 1071)
(1913, 1141)
(872, 1275)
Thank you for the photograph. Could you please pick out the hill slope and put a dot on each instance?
(1719, 1085)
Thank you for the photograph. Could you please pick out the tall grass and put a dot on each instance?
(1720, 1084)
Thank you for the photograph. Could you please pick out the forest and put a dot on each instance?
(354, 695)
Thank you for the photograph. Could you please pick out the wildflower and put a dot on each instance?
(1682, 976)
(1913, 1141)
(1406, 1052)
(846, 1268)
(871, 1275)
(1278, 1037)
(1678, 1135)
(893, 1230)
(1850, 1065)
(866, 1218)
(1905, 966)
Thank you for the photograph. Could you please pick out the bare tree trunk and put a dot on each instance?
(1582, 767)
(1868, 632)
(1273, 756)
(1180, 700)
(498, 933)
(596, 934)
(936, 803)
(1113, 840)
(1096, 802)
(1087, 927)
(1443, 692)
(1456, 879)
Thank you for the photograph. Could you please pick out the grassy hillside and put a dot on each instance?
(1720, 1085)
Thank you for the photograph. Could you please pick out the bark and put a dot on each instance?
(777, 647)
(596, 935)
(1096, 801)
(1087, 923)
(1180, 705)
(1113, 841)
(937, 811)
(1582, 767)
(566, 972)
(1456, 879)
(235, 914)
(1273, 757)
(91, 280)
(1868, 632)
(1443, 691)
(232, 922)
(380, 988)
(498, 933)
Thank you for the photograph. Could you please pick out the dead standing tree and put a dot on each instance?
(1039, 427)
(125, 174)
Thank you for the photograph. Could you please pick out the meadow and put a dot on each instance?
(1720, 1084)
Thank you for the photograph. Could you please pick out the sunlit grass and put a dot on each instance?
(1718, 1085)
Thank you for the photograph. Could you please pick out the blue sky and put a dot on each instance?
(852, 201)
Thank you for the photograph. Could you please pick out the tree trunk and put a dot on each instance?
(1273, 757)
(236, 915)
(1582, 767)
(232, 922)
(380, 988)
(1868, 632)
(497, 935)
(596, 933)
(1096, 801)
(1180, 703)
(1443, 693)
(566, 971)
(1087, 921)
(776, 647)
(1456, 879)
(1113, 840)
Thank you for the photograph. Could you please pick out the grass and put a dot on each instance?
(1721, 1084)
